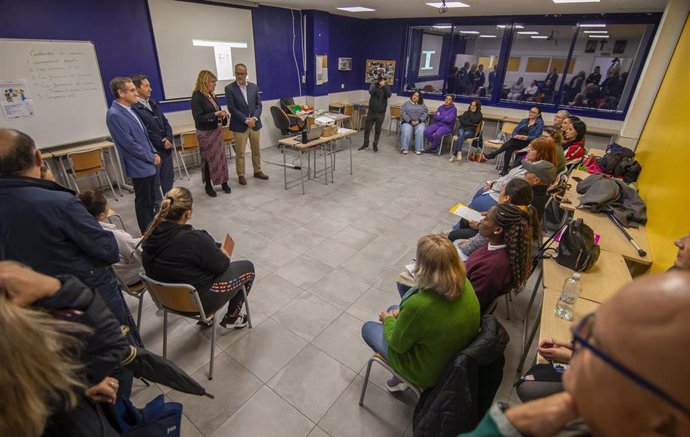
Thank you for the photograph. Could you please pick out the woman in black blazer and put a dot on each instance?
(208, 120)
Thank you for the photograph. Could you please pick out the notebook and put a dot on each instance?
(466, 212)
(229, 244)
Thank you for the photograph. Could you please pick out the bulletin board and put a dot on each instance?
(380, 67)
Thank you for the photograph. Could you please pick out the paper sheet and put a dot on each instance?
(466, 212)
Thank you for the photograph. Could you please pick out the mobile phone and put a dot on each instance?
(577, 179)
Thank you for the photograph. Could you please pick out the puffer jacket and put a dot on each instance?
(379, 97)
(466, 388)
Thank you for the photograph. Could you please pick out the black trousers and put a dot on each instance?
(227, 286)
(144, 200)
(164, 177)
(377, 119)
(508, 148)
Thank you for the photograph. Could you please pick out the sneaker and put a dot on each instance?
(396, 385)
(238, 322)
(364, 147)
(484, 158)
(418, 152)
(203, 325)
(458, 157)
(452, 158)
(404, 152)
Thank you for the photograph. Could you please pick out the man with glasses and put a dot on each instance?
(138, 156)
(244, 106)
(628, 375)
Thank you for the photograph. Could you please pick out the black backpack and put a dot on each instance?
(577, 250)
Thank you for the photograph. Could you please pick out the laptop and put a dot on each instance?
(314, 133)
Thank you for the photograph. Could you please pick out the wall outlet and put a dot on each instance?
(304, 78)
(342, 86)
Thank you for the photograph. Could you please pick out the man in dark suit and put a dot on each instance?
(244, 106)
(159, 132)
(137, 154)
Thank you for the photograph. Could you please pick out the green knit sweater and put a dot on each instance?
(429, 332)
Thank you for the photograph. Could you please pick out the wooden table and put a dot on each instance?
(599, 283)
(571, 193)
(327, 144)
(613, 240)
(555, 327)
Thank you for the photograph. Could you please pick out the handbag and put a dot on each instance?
(157, 419)
(576, 248)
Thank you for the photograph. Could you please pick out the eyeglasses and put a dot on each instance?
(582, 333)
(240, 74)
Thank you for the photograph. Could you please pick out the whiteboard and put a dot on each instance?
(57, 92)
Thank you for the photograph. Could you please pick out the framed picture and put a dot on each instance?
(591, 46)
(344, 64)
(619, 47)
(379, 68)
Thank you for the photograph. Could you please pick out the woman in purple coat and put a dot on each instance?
(444, 122)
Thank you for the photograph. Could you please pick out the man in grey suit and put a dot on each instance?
(244, 106)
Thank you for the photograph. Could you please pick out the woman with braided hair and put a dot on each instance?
(504, 262)
(175, 252)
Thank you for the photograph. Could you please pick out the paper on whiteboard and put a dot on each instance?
(16, 99)
(466, 212)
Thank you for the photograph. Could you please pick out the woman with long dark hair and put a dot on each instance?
(527, 130)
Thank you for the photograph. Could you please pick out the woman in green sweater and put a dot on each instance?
(435, 320)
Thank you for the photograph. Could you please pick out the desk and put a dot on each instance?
(555, 327)
(613, 240)
(571, 192)
(598, 284)
(325, 143)
(59, 154)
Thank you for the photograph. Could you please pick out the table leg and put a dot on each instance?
(112, 164)
(285, 166)
(301, 167)
(325, 163)
(532, 334)
(350, 140)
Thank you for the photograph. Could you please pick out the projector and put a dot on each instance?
(443, 9)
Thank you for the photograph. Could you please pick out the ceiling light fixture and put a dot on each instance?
(470, 32)
(488, 36)
(442, 26)
(596, 31)
(598, 36)
(539, 37)
(528, 32)
(356, 9)
(593, 25)
(448, 4)
(503, 26)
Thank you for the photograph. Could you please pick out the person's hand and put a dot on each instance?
(251, 122)
(473, 224)
(543, 417)
(395, 313)
(553, 350)
(383, 315)
(414, 122)
(167, 144)
(105, 391)
(156, 160)
(25, 286)
(221, 114)
(382, 83)
(487, 186)
(461, 242)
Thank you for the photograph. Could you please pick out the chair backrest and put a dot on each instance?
(89, 161)
(228, 136)
(181, 299)
(508, 128)
(480, 128)
(395, 111)
(428, 88)
(349, 110)
(280, 120)
(189, 141)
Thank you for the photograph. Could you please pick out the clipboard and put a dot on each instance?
(229, 244)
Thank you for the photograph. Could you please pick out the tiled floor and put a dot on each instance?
(326, 262)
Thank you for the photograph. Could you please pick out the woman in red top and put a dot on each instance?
(504, 262)
(574, 144)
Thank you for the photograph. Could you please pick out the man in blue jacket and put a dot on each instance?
(159, 132)
(45, 226)
(137, 154)
(244, 106)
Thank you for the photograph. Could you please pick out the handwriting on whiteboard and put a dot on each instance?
(60, 75)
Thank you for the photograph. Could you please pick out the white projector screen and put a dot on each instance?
(430, 57)
(191, 37)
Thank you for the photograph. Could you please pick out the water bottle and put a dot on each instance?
(565, 307)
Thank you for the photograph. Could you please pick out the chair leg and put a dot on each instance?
(110, 183)
(74, 182)
(184, 166)
(139, 311)
(366, 381)
(246, 306)
(213, 347)
(165, 333)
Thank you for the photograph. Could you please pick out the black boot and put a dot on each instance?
(210, 191)
(207, 178)
(226, 188)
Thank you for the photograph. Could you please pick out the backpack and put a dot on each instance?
(576, 248)
(620, 165)
(157, 419)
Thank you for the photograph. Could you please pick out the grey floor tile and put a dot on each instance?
(267, 415)
(343, 341)
(232, 386)
(301, 240)
(307, 315)
(331, 252)
(272, 293)
(318, 432)
(274, 256)
(386, 250)
(366, 267)
(151, 330)
(354, 237)
(381, 415)
(339, 288)
(371, 303)
(188, 428)
(266, 349)
(379, 376)
(227, 336)
(312, 382)
(304, 271)
(189, 349)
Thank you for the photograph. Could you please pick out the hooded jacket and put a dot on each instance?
(601, 193)
(466, 388)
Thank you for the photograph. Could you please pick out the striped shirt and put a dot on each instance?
(412, 111)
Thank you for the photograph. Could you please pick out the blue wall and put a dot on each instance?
(384, 39)
(345, 41)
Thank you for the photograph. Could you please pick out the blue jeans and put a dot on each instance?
(482, 202)
(462, 134)
(406, 130)
(372, 333)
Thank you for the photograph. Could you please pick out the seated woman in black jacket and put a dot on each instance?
(469, 121)
(175, 252)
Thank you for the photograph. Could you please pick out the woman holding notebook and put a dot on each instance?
(175, 252)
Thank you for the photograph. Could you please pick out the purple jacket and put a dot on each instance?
(446, 115)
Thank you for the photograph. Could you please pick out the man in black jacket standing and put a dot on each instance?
(380, 93)
(159, 132)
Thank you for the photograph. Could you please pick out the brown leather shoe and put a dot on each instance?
(261, 175)
(242, 180)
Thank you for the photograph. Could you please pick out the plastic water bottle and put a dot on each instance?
(565, 307)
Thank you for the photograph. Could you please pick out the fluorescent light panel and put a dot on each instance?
(593, 25)
(488, 36)
(596, 31)
(470, 32)
(575, 1)
(442, 26)
(449, 5)
(356, 9)
(528, 32)
(539, 37)
(598, 36)
(503, 26)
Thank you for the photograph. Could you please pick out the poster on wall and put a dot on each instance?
(591, 46)
(377, 68)
(619, 47)
(321, 69)
(16, 99)
(344, 64)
